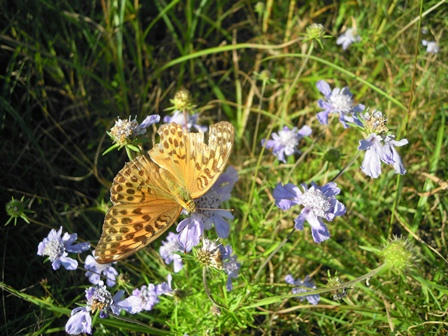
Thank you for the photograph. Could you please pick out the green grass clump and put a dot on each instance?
(70, 69)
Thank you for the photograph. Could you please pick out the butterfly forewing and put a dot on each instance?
(195, 164)
(139, 181)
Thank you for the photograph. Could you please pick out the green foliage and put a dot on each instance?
(65, 80)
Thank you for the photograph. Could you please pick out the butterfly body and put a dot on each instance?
(149, 192)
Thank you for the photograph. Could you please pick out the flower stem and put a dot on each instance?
(344, 285)
(342, 171)
(266, 261)
(207, 290)
(291, 89)
(130, 154)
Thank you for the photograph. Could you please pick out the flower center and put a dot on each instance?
(101, 299)
(54, 249)
(287, 138)
(375, 122)
(123, 129)
(341, 102)
(316, 200)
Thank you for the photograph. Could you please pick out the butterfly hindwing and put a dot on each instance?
(129, 227)
(139, 181)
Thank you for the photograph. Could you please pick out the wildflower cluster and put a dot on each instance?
(378, 143)
(99, 298)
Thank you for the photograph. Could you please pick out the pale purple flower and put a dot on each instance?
(98, 298)
(165, 287)
(347, 38)
(168, 251)
(95, 270)
(229, 264)
(337, 101)
(431, 46)
(191, 229)
(318, 203)
(381, 148)
(56, 246)
(80, 322)
(313, 299)
(178, 117)
(145, 297)
(148, 121)
(286, 141)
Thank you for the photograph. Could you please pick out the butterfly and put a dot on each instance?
(149, 192)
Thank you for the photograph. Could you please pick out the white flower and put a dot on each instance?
(347, 38)
(431, 46)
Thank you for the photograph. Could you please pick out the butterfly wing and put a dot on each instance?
(143, 208)
(129, 227)
(196, 165)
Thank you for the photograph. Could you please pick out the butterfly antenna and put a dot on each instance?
(216, 209)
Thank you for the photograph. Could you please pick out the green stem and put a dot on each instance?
(207, 290)
(345, 285)
(292, 87)
(342, 171)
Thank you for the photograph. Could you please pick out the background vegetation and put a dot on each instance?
(70, 68)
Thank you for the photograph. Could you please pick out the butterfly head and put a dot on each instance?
(189, 205)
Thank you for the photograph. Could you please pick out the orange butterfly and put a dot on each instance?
(149, 192)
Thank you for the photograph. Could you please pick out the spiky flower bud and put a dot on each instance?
(315, 31)
(398, 255)
(16, 209)
(182, 100)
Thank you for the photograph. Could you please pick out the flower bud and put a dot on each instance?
(398, 256)
(182, 100)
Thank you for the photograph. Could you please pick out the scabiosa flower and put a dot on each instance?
(95, 270)
(191, 228)
(313, 299)
(168, 251)
(125, 129)
(229, 265)
(209, 255)
(431, 46)
(286, 141)
(347, 38)
(338, 101)
(98, 298)
(381, 148)
(56, 246)
(318, 203)
(178, 117)
(80, 322)
(145, 297)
